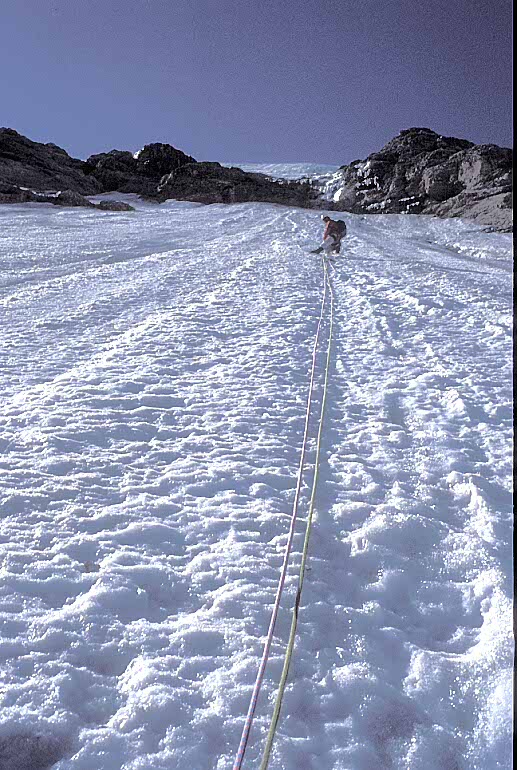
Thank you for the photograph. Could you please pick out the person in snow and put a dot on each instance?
(335, 231)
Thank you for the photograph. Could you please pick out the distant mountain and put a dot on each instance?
(419, 171)
(422, 172)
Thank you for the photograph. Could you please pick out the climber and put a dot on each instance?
(335, 230)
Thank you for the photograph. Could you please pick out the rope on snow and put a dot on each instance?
(269, 639)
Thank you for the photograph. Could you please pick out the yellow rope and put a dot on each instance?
(290, 644)
(239, 759)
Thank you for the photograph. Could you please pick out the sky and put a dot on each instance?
(324, 81)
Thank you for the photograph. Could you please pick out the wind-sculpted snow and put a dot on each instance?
(154, 378)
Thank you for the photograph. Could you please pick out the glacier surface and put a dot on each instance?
(153, 385)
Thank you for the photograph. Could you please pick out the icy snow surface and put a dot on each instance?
(288, 170)
(154, 372)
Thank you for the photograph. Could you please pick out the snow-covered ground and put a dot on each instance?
(289, 170)
(154, 374)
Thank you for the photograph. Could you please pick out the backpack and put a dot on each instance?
(341, 226)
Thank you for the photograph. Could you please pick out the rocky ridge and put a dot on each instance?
(140, 173)
(422, 172)
(419, 171)
(213, 183)
(30, 170)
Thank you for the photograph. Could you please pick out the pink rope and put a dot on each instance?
(239, 758)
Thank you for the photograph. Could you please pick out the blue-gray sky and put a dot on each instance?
(323, 81)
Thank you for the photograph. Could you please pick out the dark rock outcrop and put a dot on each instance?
(158, 171)
(116, 170)
(10, 193)
(37, 166)
(156, 160)
(70, 198)
(213, 183)
(46, 167)
(114, 206)
(420, 171)
(121, 171)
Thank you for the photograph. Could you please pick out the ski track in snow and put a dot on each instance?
(154, 371)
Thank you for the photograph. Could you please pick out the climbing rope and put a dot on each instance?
(269, 639)
(296, 609)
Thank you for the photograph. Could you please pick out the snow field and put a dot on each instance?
(155, 371)
(288, 170)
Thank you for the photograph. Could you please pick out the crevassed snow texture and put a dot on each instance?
(154, 377)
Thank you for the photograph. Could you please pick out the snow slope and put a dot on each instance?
(288, 170)
(154, 379)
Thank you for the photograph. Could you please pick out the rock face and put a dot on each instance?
(25, 163)
(156, 160)
(158, 171)
(421, 172)
(114, 206)
(213, 183)
(10, 193)
(27, 166)
(121, 171)
(70, 198)
(418, 172)
(115, 170)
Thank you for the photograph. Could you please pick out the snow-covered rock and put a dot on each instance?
(420, 171)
